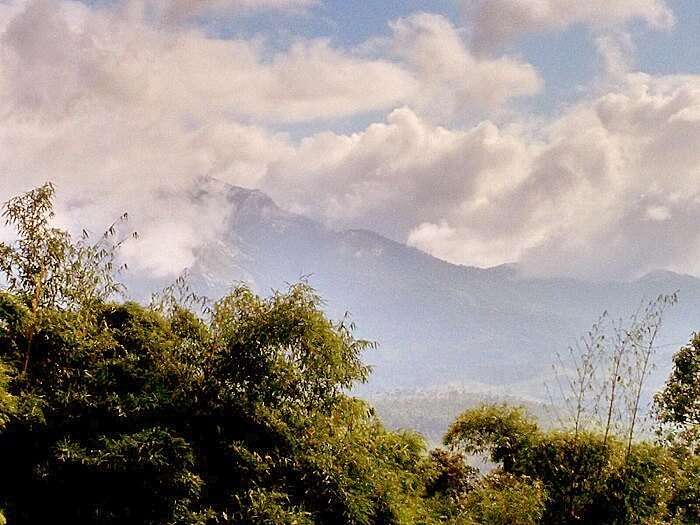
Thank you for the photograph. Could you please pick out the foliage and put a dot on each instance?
(585, 477)
(46, 266)
(498, 430)
(684, 504)
(678, 404)
(7, 407)
(505, 499)
(132, 414)
(678, 411)
(451, 475)
(601, 381)
(8, 403)
(185, 419)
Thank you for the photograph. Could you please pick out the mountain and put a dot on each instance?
(438, 324)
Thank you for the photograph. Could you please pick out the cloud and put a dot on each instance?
(97, 105)
(402, 173)
(497, 21)
(451, 79)
(60, 58)
(606, 190)
(108, 60)
(181, 12)
(126, 115)
(616, 49)
(123, 115)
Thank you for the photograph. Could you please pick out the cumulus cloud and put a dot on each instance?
(496, 21)
(606, 190)
(59, 56)
(393, 173)
(452, 79)
(92, 102)
(126, 115)
(111, 60)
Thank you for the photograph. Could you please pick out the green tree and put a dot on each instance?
(157, 415)
(585, 477)
(678, 411)
(46, 268)
(7, 408)
(678, 404)
(602, 379)
(505, 499)
(239, 413)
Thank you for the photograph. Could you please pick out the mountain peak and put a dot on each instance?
(658, 276)
(437, 322)
(236, 194)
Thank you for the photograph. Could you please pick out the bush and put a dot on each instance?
(505, 499)
(585, 478)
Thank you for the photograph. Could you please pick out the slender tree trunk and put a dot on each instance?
(614, 380)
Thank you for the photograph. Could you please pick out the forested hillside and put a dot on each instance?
(238, 412)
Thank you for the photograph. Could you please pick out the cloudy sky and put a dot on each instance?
(559, 134)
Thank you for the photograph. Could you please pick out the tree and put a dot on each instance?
(496, 430)
(603, 380)
(8, 403)
(677, 409)
(577, 375)
(584, 477)
(130, 414)
(239, 412)
(678, 404)
(505, 499)
(46, 268)
(7, 407)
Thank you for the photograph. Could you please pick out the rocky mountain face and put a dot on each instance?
(438, 325)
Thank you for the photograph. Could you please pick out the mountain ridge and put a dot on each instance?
(437, 323)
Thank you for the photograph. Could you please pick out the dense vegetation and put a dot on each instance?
(238, 412)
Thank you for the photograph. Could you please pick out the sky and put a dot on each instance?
(556, 134)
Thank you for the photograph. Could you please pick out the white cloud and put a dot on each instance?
(496, 21)
(609, 189)
(126, 63)
(658, 213)
(59, 58)
(616, 48)
(397, 171)
(451, 79)
(93, 103)
(126, 115)
(179, 12)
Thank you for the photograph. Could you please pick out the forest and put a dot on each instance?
(183, 411)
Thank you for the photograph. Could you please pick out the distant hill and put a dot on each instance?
(439, 325)
(431, 412)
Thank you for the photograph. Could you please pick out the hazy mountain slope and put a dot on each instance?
(437, 323)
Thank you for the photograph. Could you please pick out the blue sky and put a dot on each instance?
(674, 51)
